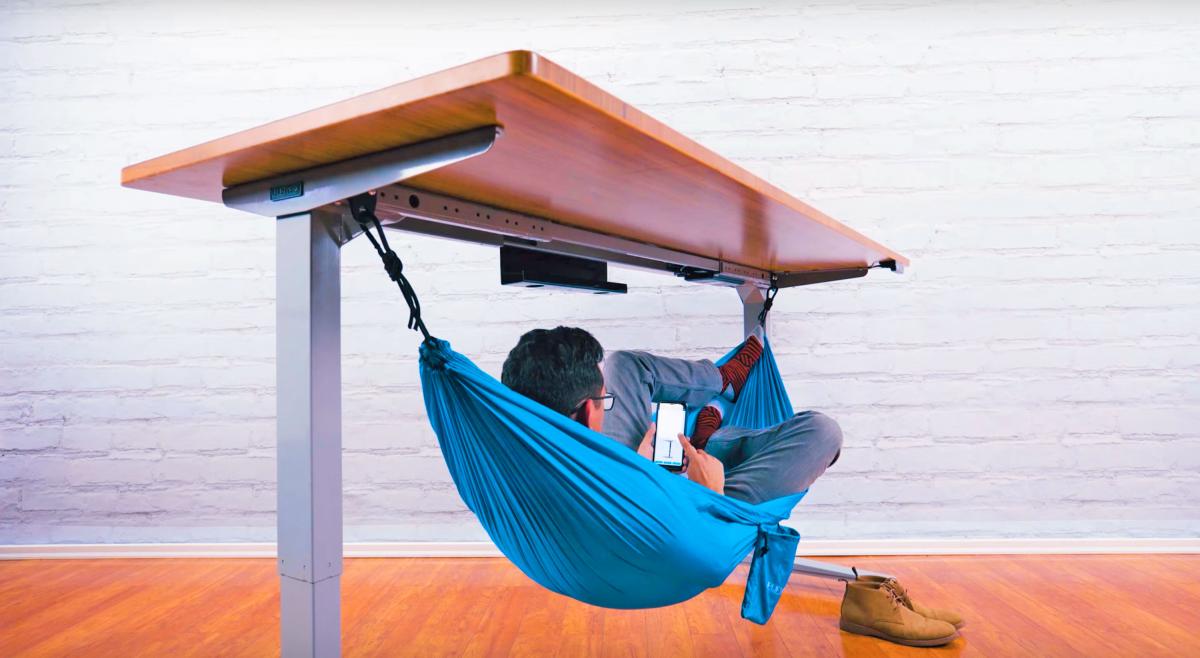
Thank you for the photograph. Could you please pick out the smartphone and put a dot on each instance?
(669, 418)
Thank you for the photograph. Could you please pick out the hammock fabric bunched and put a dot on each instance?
(587, 517)
(580, 513)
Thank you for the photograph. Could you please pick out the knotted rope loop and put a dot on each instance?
(767, 303)
(362, 208)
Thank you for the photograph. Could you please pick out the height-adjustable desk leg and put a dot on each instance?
(753, 298)
(308, 369)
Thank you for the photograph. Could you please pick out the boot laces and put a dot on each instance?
(896, 588)
(894, 597)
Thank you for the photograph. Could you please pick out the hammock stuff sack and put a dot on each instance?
(587, 517)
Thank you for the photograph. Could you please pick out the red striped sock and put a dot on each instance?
(735, 371)
(707, 422)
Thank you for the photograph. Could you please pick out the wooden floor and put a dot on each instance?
(1015, 606)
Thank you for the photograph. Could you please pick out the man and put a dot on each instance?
(566, 370)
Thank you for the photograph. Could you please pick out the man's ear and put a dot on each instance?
(585, 412)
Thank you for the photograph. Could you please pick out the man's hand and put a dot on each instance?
(703, 468)
(646, 447)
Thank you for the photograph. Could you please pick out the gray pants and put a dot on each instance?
(759, 464)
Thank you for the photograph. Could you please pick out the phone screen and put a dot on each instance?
(669, 425)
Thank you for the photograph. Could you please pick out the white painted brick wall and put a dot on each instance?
(1033, 375)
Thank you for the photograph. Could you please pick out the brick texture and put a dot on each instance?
(1032, 375)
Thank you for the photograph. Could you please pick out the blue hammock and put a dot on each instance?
(587, 517)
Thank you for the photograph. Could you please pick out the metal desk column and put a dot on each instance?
(309, 443)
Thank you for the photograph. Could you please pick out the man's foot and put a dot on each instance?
(707, 422)
(869, 608)
(736, 371)
(948, 616)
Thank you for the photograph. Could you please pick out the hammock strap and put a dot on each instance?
(362, 208)
(768, 301)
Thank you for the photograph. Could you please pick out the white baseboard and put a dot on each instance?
(1006, 546)
(999, 546)
(239, 550)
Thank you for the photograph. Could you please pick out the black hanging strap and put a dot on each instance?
(767, 302)
(362, 208)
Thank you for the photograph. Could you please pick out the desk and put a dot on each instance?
(507, 150)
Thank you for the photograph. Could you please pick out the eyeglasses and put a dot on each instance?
(606, 400)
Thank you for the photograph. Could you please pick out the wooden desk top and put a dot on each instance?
(570, 152)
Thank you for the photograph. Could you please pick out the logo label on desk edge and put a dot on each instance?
(287, 191)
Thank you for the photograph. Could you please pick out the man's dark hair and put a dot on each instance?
(557, 367)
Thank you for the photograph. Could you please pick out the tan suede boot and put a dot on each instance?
(948, 616)
(874, 610)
